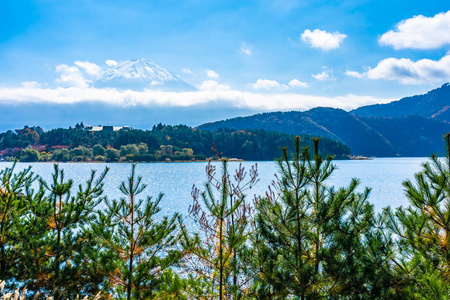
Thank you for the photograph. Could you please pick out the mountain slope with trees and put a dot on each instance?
(369, 136)
(326, 122)
(434, 104)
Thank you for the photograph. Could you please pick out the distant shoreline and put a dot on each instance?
(129, 162)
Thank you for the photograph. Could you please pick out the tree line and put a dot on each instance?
(162, 143)
(303, 239)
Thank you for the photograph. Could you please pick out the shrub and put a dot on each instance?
(61, 155)
(81, 151)
(100, 158)
(79, 158)
(29, 155)
(129, 149)
(112, 154)
(98, 150)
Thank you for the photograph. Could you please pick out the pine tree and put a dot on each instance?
(142, 247)
(61, 222)
(423, 229)
(12, 213)
(218, 256)
(310, 236)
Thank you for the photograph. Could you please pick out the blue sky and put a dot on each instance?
(284, 54)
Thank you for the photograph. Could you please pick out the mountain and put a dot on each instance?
(335, 124)
(369, 136)
(434, 104)
(140, 74)
(410, 135)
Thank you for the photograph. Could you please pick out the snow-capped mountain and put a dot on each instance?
(140, 74)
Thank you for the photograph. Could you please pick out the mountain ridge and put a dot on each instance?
(433, 104)
(368, 136)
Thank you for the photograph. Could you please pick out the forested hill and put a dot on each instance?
(403, 136)
(434, 104)
(162, 143)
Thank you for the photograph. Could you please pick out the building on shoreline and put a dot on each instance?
(106, 128)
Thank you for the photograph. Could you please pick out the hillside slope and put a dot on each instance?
(434, 104)
(369, 136)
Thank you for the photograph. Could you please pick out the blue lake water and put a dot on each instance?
(175, 180)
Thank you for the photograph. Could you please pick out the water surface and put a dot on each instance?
(175, 180)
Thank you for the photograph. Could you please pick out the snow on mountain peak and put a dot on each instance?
(141, 73)
(138, 69)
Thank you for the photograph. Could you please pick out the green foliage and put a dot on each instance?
(423, 228)
(98, 150)
(12, 210)
(29, 155)
(23, 138)
(174, 142)
(63, 220)
(406, 134)
(129, 149)
(430, 105)
(141, 245)
(143, 148)
(61, 155)
(112, 154)
(81, 153)
(314, 241)
(220, 263)
(303, 240)
(100, 158)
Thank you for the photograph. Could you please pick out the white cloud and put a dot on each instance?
(90, 68)
(407, 71)
(111, 63)
(325, 75)
(353, 74)
(419, 32)
(186, 71)
(31, 84)
(322, 39)
(212, 74)
(294, 83)
(211, 85)
(246, 48)
(153, 98)
(72, 76)
(267, 84)
(75, 88)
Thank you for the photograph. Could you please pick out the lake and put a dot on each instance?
(175, 180)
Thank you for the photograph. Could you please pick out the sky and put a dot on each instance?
(248, 56)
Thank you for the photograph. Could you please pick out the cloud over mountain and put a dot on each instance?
(86, 82)
(155, 98)
(72, 76)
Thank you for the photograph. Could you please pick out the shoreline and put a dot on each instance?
(127, 162)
